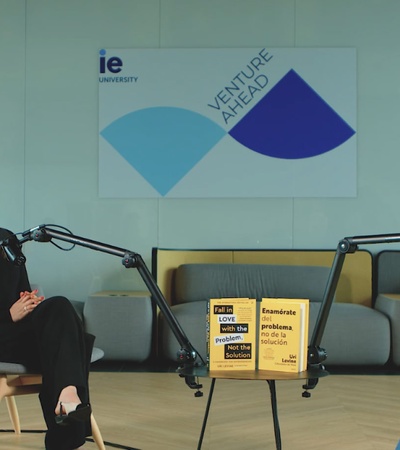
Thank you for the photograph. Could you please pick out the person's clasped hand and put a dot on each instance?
(26, 303)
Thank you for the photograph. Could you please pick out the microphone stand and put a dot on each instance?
(187, 354)
(317, 355)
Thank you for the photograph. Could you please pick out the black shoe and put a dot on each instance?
(80, 414)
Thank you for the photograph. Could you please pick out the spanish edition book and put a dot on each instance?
(231, 334)
(283, 334)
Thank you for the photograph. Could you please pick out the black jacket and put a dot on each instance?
(13, 280)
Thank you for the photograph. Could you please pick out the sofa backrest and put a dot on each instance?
(388, 272)
(195, 282)
(355, 282)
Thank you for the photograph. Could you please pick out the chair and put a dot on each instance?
(16, 380)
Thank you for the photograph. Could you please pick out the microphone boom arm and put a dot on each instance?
(187, 354)
(316, 354)
(345, 246)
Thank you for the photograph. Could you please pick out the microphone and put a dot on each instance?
(28, 232)
(33, 233)
(37, 233)
(12, 249)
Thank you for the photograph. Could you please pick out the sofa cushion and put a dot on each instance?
(354, 335)
(196, 282)
(122, 323)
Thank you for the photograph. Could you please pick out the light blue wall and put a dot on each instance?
(49, 129)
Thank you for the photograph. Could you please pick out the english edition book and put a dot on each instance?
(283, 334)
(231, 334)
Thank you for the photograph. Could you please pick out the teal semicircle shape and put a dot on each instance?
(163, 143)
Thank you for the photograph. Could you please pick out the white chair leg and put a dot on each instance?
(96, 434)
(14, 416)
(13, 413)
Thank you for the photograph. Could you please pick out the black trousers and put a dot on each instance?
(51, 341)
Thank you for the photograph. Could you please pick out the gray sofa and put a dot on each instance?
(354, 335)
(122, 322)
(387, 275)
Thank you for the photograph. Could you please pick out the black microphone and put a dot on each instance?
(12, 249)
(37, 233)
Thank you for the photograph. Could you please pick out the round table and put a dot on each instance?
(312, 376)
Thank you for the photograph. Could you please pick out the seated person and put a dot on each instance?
(47, 336)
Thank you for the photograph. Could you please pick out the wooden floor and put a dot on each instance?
(157, 411)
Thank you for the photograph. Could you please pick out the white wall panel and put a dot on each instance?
(63, 42)
(12, 114)
(371, 27)
(49, 129)
(227, 23)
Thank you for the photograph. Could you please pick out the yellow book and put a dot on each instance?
(231, 334)
(283, 334)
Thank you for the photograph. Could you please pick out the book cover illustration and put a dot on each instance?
(231, 334)
(283, 334)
